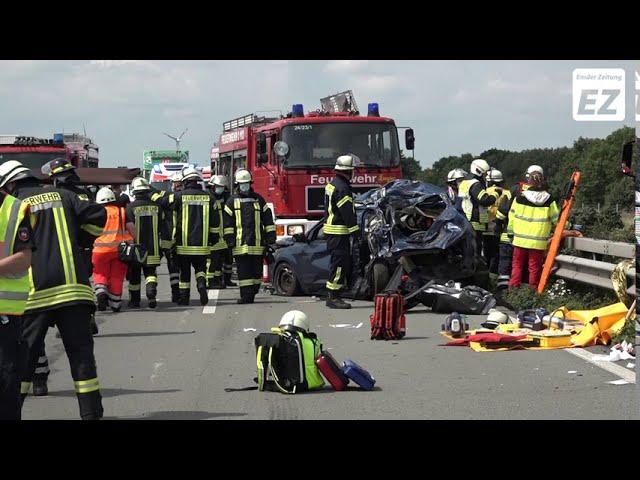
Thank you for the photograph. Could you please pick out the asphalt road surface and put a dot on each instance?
(173, 363)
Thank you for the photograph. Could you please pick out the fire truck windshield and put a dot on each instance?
(319, 144)
(33, 160)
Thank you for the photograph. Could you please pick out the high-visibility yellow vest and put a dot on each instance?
(478, 218)
(14, 289)
(532, 224)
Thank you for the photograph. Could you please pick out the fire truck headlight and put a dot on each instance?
(279, 230)
(281, 148)
(295, 229)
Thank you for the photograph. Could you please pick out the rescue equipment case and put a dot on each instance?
(330, 369)
(358, 374)
(388, 320)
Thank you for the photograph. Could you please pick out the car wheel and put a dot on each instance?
(380, 277)
(286, 282)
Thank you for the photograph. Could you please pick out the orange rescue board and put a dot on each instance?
(556, 239)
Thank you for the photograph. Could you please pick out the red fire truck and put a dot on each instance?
(34, 152)
(292, 157)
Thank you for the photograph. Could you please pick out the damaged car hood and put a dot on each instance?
(409, 217)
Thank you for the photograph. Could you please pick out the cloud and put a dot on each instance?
(113, 63)
(345, 66)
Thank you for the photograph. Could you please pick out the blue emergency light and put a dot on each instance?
(297, 110)
(58, 138)
(373, 110)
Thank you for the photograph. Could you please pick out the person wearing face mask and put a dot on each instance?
(218, 260)
(193, 227)
(249, 228)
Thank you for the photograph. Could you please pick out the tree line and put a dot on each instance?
(598, 159)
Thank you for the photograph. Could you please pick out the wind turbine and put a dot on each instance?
(177, 139)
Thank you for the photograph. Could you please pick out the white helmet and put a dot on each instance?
(243, 176)
(13, 170)
(295, 318)
(105, 195)
(177, 177)
(218, 180)
(344, 162)
(535, 168)
(139, 184)
(456, 174)
(495, 176)
(479, 167)
(497, 316)
(190, 173)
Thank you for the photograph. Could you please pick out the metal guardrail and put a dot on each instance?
(594, 272)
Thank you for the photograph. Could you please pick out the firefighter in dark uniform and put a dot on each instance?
(340, 224)
(249, 229)
(60, 293)
(17, 244)
(167, 241)
(63, 175)
(144, 218)
(193, 209)
(219, 251)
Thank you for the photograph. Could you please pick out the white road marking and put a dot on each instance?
(156, 367)
(213, 295)
(617, 370)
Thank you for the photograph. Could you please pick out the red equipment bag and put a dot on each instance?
(388, 321)
(331, 371)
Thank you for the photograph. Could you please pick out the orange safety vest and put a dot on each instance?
(114, 231)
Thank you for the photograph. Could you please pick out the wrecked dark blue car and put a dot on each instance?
(410, 233)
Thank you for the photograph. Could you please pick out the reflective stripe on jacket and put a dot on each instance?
(218, 228)
(114, 231)
(248, 224)
(147, 217)
(193, 217)
(531, 219)
(340, 211)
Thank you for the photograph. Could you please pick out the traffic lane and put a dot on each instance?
(418, 379)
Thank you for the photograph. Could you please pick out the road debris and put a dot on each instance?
(619, 382)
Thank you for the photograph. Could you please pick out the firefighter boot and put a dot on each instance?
(103, 300)
(334, 301)
(228, 282)
(134, 299)
(175, 294)
(217, 283)
(152, 292)
(90, 405)
(202, 290)
(40, 388)
(183, 298)
(94, 325)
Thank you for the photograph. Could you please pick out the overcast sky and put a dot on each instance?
(454, 107)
